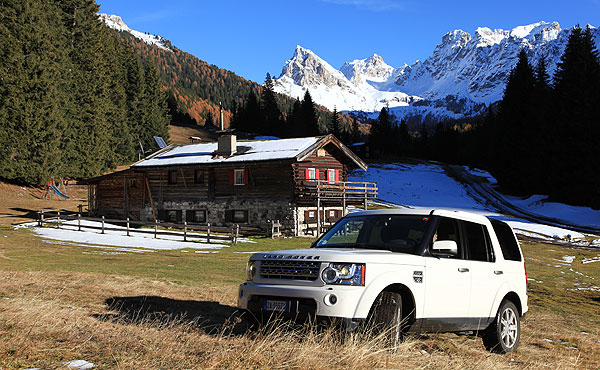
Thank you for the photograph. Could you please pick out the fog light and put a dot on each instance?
(330, 299)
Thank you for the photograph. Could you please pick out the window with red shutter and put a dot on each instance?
(331, 178)
(245, 177)
(239, 177)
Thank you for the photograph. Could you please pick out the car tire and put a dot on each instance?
(386, 317)
(503, 335)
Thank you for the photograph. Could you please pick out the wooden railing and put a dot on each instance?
(324, 189)
(211, 233)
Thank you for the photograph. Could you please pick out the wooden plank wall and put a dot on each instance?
(265, 181)
(323, 163)
(121, 193)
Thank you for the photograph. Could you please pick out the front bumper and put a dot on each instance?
(305, 299)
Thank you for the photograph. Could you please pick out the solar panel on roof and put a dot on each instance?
(160, 141)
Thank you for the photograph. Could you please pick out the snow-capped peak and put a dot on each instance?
(464, 73)
(116, 23)
(306, 68)
(372, 68)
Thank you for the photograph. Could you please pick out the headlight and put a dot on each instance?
(251, 270)
(344, 274)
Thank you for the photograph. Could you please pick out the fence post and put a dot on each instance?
(208, 233)
(80, 207)
(58, 220)
(41, 218)
(237, 232)
(102, 224)
(79, 222)
(127, 226)
(232, 234)
(185, 231)
(155, 227)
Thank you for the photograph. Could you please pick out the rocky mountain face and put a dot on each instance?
(464, 73)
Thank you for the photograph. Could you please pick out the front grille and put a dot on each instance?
(286, 269)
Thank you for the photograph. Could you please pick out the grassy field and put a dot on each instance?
(176, 310)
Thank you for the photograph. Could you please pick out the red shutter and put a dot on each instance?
(317, 174)
(230, 177)
(337, 175)
(328, 179)
(245, 177)
(306, 173)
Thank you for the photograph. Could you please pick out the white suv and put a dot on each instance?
(403, 271)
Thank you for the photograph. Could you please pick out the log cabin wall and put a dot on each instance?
(188, 184)
(121, 195)
(322, 160)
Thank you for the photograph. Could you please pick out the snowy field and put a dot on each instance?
(427, 185)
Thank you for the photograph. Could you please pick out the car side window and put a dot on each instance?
(478, 242)
(448, 229)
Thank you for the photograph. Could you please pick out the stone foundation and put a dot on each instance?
(260, 212)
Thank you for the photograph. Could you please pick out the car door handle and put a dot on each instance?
(463, 269)
(498, 272)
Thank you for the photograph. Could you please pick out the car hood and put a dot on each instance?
(349, 255)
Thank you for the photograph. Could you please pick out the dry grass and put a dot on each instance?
(49, 318)
(180, 133)
(133, 312)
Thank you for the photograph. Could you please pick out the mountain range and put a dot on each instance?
(464, 73)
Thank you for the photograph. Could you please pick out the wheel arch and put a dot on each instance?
(514, 298)
(409, 306)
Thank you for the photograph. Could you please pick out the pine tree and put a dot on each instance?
(404, 144)
(308, 117)
(87, 148)
(355, 131)
(270, 109)
(31, 65)
(334, 124)
(577, 92)
(155, 103)
(514, 127)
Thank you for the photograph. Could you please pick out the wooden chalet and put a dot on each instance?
(301, 182)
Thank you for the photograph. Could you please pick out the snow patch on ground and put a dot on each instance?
(92, 238)
(590, 260)
(538, 204)
(481, 173)
(79, 364)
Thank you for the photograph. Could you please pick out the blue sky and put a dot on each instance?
(253, 37)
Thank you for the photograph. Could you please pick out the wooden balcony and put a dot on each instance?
(339, 192)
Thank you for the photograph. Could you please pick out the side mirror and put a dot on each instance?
(446, 248)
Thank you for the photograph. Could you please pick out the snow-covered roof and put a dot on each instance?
(247, 151)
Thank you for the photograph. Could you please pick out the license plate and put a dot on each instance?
(279, 306)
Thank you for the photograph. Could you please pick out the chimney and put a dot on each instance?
(221, 116)
(227, 145)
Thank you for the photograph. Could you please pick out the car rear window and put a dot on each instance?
(508, 242)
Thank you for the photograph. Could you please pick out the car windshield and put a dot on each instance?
(396, 233)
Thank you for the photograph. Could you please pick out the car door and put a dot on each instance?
(486, 276)
(447, 283)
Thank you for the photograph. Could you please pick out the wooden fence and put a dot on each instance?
(212, 233)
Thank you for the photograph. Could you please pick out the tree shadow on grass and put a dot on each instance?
(211, 317)
(25, 213)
